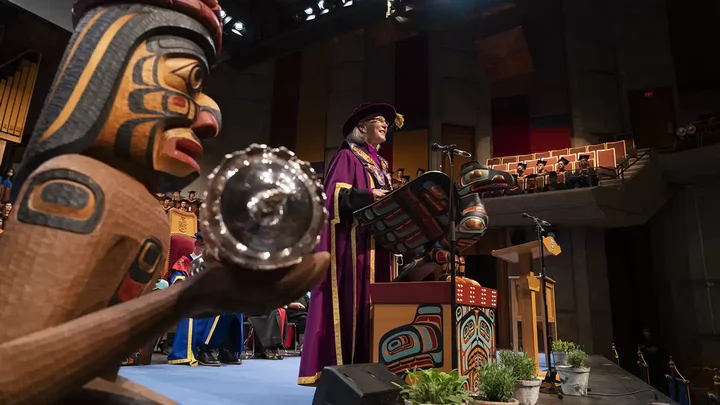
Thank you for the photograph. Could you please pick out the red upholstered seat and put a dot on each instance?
(510, 159)
(606, 158)
(559, 152)
(575, 151)
(542, 155)
(526, 158)
(494, 161)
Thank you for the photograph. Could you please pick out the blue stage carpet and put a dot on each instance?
(254, 382)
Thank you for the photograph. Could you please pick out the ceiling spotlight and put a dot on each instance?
(223, 14)
(238, 28)
(691, 129)
(310, 17)
(681, 132)
(321, 5)
(347, 3)
(308, 11)
(226, 19)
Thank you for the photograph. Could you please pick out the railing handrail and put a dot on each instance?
(20, 55)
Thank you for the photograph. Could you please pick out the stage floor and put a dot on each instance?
(254, 382)
(270, 382)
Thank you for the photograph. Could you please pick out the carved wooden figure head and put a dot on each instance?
(129, 90)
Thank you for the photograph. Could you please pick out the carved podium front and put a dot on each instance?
(413, 323)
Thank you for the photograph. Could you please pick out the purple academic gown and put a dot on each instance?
(338, 325)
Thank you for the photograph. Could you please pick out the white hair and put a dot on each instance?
(359, 137)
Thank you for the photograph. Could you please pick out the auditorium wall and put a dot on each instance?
(673, 264)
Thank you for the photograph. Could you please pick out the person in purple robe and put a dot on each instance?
(338, 325)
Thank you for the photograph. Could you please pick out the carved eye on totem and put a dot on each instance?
(193, 76)
(196, 79)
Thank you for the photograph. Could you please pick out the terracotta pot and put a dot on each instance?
(527, 392)
(559, 358)
(513, 401)
(574, 381)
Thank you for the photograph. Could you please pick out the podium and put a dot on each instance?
(412, 327)
(526, 296)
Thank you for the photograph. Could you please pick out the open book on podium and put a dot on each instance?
(527, 297)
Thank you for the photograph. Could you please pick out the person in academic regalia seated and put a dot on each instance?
(160, 197)
(585, 175)
(176, 199)
(560, 173)
(517, 190)
(193, 202)
(6, 209)
(419, 172)
(268, 336)
(196, 339)
(540, 167)
(357, 177)
(297, 313)
(184, 205)
(6, 185)
(167, 204)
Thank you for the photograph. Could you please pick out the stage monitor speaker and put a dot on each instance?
(358, 384)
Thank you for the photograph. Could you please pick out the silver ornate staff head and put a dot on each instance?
(264, 209)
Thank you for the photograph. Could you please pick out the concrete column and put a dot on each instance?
(459, 89)
(346, 86)
(590, 58)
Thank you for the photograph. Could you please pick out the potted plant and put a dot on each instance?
(432, 387)
(560, 349)
(497, 385)
(524, 372)
(574, 377)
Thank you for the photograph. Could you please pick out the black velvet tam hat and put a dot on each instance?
(365, 110)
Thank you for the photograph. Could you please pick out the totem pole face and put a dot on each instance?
(160, 115)
(129, 91)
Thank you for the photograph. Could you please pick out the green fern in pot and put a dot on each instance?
(432, 387)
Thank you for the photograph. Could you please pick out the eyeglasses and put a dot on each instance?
(381, 120)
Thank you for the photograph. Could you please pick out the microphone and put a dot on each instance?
(450, 149)
(541, 221)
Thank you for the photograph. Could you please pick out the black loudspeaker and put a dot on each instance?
(358, 384)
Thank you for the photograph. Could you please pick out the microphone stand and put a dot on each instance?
(551, 375)
(450, 153)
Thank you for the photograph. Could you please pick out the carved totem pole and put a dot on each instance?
(125, 118)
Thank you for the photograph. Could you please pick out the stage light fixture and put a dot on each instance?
(691, 129)
(347, 3)
(308, 11)
(238, 28)
(681, 132)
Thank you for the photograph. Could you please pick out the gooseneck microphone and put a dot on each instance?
(536, 219)
(452, 149)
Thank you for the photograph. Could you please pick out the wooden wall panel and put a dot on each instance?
(410, 151)
(312, 104)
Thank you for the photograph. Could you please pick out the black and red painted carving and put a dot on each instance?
(125, 117)
(413, 220)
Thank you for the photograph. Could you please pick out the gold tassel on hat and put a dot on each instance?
(399, 120)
